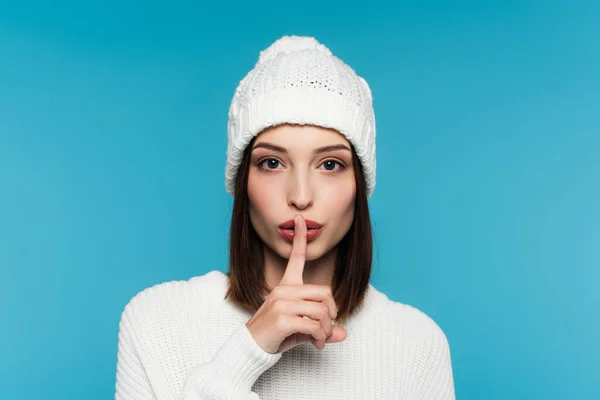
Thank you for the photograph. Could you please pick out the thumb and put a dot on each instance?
(338, 334)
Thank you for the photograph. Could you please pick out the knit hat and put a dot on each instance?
(298, 80)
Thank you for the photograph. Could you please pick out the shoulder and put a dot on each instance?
(421, 332)
(412, 322)
(426, 346)
(422, 323)
(205, 285)
(163, 298)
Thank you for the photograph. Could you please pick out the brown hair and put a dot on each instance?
(246, 261)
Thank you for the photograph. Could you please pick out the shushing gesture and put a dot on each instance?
(279, 324)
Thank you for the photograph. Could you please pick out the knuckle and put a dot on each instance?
(278, 305)
(276, 292)
(323, 310)
(282, 324)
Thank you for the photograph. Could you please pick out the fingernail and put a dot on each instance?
(296, 220)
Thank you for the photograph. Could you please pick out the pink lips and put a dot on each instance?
(287, 230)
(310, 224)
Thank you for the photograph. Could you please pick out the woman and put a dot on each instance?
(295, 316)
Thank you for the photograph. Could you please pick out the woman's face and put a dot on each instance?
(289, 175)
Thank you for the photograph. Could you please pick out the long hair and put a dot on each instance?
(246, 273)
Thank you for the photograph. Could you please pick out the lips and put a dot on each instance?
(286, 230)
(289, 224)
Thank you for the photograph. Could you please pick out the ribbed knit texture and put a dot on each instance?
(182, 340)
(298, 80)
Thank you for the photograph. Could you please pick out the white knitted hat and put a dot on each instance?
(298, 80)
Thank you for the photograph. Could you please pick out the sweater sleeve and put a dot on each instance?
(230, 374)
(132, 381)
(436, 380)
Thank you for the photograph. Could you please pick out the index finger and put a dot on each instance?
(295, 267)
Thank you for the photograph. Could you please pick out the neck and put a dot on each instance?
(316, 272)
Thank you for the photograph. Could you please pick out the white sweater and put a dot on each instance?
(182, 340)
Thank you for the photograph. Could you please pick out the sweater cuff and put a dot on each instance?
(241, 361)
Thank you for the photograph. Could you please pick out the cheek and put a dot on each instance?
(262, 201)
(340, 203)
(345, 192)
(256, 196)
(254, 189)
(346, 202)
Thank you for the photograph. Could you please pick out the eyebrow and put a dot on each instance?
(323, 149)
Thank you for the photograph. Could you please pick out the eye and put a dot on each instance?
(331, 163)
(270, 162)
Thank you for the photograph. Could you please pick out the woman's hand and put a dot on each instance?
(280, 323)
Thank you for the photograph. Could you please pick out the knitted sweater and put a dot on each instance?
(182, 340)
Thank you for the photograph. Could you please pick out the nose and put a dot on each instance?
(300, 192)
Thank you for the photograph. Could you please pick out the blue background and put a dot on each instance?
(112, 153)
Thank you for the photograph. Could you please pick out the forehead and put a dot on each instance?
(301, 136)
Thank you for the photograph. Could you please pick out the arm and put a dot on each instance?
(132, 380)
(436, 377)
(232, 371)
(230, 374)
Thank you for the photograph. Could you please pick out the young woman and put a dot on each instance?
(295, 317)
